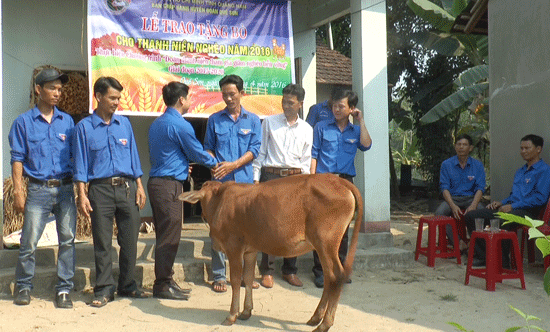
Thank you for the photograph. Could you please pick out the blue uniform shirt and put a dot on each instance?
(335, 150)
(172, 144)
(230, 139)
(531, 186)
(319, 112)
(462, 182)
(104, 150)
(43, 148)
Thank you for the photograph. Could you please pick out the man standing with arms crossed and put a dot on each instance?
(172, 143)
(233, 137)
(285, 151)
(335, 143)
(106, 156)
(40, 141)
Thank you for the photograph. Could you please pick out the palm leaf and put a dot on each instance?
(454, 101)
(472, 75)
(443, 43)
(432, 13)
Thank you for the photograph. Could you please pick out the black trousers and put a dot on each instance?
(167, 218)
(118, 202)
(266, 265)
(342, 251)
(487, 215)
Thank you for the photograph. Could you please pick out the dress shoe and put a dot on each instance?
(267, 281)
(179, 289)
(477, 262)
(171, 293)
(293, 280)
(63, 301)
(23, 297)
(319, 281)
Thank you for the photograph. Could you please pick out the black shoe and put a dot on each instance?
(23, 297)
(319, 281)
(171, 293)
(63, 301)
(477, 262)
(179, 289)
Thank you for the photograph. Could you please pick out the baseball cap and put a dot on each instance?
(50, 74)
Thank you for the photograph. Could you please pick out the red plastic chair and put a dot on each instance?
(545, 229)
(437, 246)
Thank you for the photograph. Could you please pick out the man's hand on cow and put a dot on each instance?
(494, 205)
(223, 169)
(505, 208)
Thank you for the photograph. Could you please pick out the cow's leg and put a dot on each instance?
(327, 265)
(236, 267)
(248, 277)
(334, 282)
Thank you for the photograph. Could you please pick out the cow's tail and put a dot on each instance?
(358, 216)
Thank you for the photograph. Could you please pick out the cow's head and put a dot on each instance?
(209, 188)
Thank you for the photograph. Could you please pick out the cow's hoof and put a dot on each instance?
(245, 315)
(228, 321)
(321, 328)
(313, 321)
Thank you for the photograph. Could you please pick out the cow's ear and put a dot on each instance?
(191, 196)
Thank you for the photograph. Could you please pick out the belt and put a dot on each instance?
(113, 181)
(52, 182)
(282, 171)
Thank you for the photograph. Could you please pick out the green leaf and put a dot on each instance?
(544, 245)
(531, 317)
(432, 13)
(535, 233)
(535, 222)
(472, 75)
(510, 218)
(454, 101)
(519, 312)
(458, 7)
(513, 329)
(547, 281)
(537, 328)
(443, 43)
(428, 88)
(458, 327)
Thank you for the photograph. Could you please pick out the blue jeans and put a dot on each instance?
(218, 265)
(41, 201)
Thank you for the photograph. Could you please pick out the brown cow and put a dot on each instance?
(286, 217)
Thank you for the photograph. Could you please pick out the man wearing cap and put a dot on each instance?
(106, 157)
(172, 143)
(40, 141)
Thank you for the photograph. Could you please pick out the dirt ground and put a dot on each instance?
(414, 299)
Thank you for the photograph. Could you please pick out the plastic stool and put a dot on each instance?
(494, 272)
(439, 249)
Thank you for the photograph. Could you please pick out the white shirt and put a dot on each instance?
(284, 145)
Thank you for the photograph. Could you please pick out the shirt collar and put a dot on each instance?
(244, 113)
(172, 111)
(534, 166)
(457, 162)
(56, 113)
(348, 126)
(96, 120)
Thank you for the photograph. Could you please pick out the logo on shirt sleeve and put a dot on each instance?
(123, 141)
(63, 137)
(245, 131)
(471, 177)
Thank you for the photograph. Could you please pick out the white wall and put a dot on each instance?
(519, 59)
(304, 48)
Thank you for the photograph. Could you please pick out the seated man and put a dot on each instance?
(462, 182)
(529, 193)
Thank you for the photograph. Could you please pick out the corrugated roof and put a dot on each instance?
(332, 66)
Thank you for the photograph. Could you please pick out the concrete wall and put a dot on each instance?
(519, 58)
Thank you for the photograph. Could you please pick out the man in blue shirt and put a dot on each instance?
(321, 111)
(233, 137)
(40, 141)
(530, 192)
(172, 144)
(106, 157)
(335, 143)
(462, 182)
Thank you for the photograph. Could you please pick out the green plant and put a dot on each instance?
(448, 298)
(527, 326)
(542, 241)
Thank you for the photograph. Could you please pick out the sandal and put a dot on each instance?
(135, 294)
(101, 300)
(219, 286)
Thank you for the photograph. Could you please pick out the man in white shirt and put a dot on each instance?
(285, 150)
